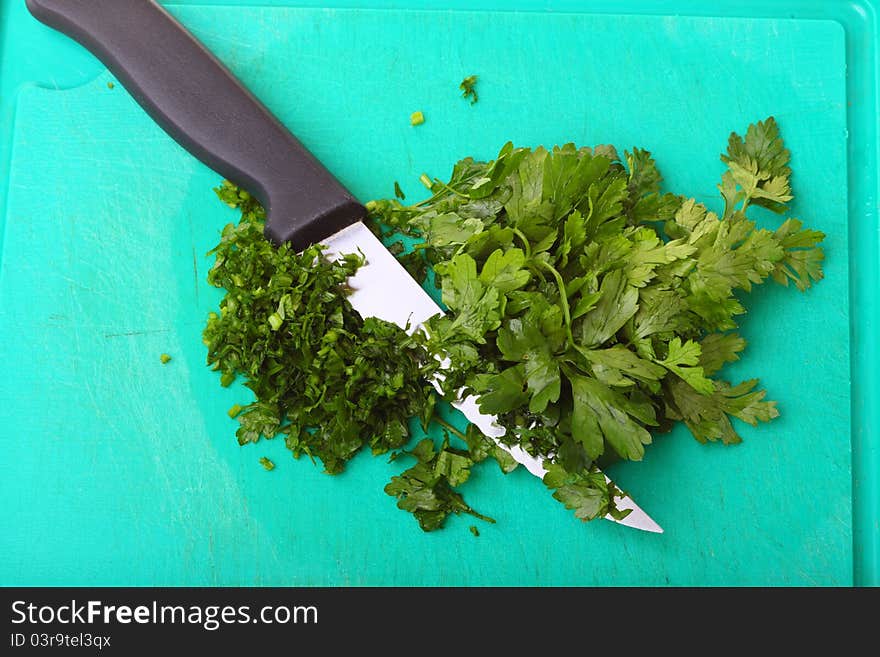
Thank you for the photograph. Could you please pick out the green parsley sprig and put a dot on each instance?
(588, 310)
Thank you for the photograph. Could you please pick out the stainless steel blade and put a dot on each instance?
(383, 288)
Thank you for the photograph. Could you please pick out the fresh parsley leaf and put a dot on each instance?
(618, 302)
(588, 493)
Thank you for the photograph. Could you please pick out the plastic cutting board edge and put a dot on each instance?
(119, 470)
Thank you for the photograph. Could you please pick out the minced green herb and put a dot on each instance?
(165, 358)
(267, 464)
(398, 192)
(416, 118)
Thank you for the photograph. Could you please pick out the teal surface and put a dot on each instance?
(118, 470)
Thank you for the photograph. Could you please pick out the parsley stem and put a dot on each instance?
(527, 247)
(563, 301)
(451, 429)
(454, 191)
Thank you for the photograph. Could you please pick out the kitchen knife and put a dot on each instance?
(200, 104)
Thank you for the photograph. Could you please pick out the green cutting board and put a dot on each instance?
(118, 470)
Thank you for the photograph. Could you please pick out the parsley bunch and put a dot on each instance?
(588, 310)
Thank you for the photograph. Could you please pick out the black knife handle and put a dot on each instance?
(197, 101)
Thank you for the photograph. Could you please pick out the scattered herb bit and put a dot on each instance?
(427, 490)
(398, 192)
(267, 464)
(474, 530)
(110, 85)
(416, 118)
(165, 358)
(468, 88)
(589, 311)
(426, 181)
(234, 410)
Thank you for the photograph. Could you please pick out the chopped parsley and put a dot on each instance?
(398, 192)
(327, 381)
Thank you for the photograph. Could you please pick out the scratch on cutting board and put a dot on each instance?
(195, 273)
(130, 333)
